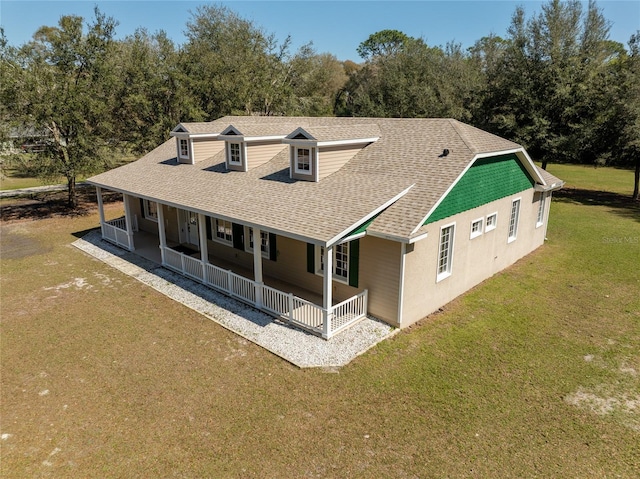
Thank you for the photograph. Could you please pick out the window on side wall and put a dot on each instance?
(541, 205)
(476, 228)
(492, 222)
(513, 220)
(150, 210)
(445, 251)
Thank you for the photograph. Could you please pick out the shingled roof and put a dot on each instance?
(403, 174)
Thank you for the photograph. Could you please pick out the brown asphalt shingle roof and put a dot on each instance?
(406, 156)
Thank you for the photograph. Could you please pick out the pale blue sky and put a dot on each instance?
(333, 26)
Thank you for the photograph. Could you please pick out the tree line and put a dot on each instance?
(556, 84)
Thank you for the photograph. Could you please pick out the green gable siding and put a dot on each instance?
(487, 180)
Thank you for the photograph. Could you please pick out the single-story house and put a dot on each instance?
(321, 221)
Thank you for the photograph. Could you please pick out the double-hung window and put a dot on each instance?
(223, 231)
(340, 261)
(513, 220)
(184, 148)
(445, 251)
(235, 154)
(264, 242)
(150, 210)
(303, 160)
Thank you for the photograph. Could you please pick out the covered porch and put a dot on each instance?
(314, 312)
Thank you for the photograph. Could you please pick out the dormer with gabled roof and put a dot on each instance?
(195, 142)
(249, 146)
(317, 152)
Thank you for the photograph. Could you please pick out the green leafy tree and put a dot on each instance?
(316, 80)
(542, 89)
(64, 86)
(627, 114)
(414, 81)
(152, 93)
(383, 43)
(233, 66)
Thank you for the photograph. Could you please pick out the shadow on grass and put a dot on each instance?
(621, 205)
(41, 205)
(80, 234)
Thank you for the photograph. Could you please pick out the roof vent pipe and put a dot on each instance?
(445, 152)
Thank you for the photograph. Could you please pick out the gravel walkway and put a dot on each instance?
(298, 347)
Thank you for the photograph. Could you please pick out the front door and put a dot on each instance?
(189, 228)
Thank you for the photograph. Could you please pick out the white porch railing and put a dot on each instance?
(287, 306)
(184, 264)
(116, 232)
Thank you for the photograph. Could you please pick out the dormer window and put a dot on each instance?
(303, 160)
(184, 151)
(235, 156)
(319, 151)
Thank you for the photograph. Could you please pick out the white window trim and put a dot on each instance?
(487, 226)
(240, 152)
(541, 209)
(248, 233)
(146, 214)
(475, 234)
(214, 233)
(445, 274)
(318, 262)
(312, 159)
(188, 155)
(514, 236)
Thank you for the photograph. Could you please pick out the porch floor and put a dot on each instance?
(294, 345)
(148, 246)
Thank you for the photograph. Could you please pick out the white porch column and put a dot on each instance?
(327, 282)
(204, 247)
(161, 231)
(127, 221)
(257, 265)
(100, 208)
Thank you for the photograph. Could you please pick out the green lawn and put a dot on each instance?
(614, 180)
(15, 182)
(534, 373)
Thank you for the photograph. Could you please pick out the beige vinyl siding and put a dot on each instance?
(206, 148)
(260, 153)
(380, 274)
(230, 254)
(332, 158)
(144, 224)
(474, 260)
(172, 227)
